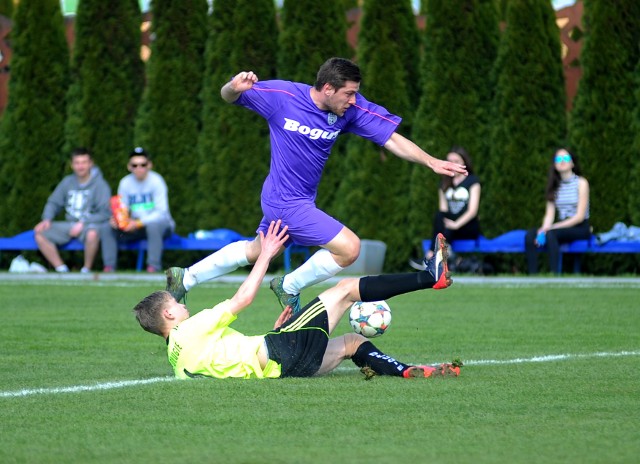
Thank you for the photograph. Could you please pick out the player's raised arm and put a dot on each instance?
(406, 149)
(241, 82)
(271, 244)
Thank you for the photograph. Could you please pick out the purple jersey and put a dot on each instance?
(302, 136)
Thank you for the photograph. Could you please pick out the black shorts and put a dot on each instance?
(299, 345)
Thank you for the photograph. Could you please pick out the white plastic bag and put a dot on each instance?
(19, 264)
(37, 267)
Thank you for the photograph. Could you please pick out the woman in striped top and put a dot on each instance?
(567, 214)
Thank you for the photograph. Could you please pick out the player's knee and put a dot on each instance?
(351, 251)
(352, 342)
(252, 249)
(347, 286)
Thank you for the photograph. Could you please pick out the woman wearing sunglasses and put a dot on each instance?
(567, 213)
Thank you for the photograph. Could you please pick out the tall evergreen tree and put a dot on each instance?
(455, 104)
(304, 46)
(32, 132)
(6, 12)
(305, 43)
(529, 117)
(239, 139)
(398, 23)
(634, 183)
(601, 121)
(218, 70)
(169, 121)
(373, 198)
(6, 8)
(107, 79)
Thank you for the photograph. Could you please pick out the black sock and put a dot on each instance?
(382, 287)
(368, 355)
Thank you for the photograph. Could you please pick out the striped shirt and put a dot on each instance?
(567, 198)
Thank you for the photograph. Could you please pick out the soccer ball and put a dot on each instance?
(371, 318)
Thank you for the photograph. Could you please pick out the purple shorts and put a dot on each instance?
(308, 225)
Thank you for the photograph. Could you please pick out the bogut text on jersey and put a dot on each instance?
(314, 134)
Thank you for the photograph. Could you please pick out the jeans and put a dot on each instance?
(155, 234)
(471, 230)
(555, 237)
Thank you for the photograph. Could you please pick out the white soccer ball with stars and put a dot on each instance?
(370, 318)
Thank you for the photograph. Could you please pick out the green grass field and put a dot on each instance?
(551, 376)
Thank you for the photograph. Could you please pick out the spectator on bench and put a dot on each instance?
(144, 195)
(567, 214)
(84, 196)
(458, 203)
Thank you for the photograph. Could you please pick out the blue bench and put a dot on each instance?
(216, 240)
(305, 251)
(513, 242)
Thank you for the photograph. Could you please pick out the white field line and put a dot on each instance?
(481, 362)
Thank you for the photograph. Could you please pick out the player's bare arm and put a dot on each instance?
(284, 316)
(241, 82)
(270, 243)
(404, 148)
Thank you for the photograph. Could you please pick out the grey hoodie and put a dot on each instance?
(88, 203)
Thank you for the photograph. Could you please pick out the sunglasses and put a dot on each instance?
(563, 159)
(141, 165)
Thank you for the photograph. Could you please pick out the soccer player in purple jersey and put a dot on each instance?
(304, 122)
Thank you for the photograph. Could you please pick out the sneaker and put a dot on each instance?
(449, 369)
(175, 276)
(284, 298)
(151, 269)
(108, 269)
(438, 266)
(444, 370)
(418, 371)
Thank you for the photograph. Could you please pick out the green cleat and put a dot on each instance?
(285, 298)
(368, 372)
(175, 275)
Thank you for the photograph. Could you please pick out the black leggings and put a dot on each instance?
(555, 237)
(471, 230)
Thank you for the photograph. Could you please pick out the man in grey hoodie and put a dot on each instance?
(84, 196)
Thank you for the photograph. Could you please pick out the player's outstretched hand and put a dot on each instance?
(243, 81)
(283, 317)
(448, 168)
(274, 239)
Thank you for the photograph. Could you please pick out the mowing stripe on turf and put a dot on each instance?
(480, 362)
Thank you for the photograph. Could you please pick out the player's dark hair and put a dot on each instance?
(553, 177)
(80, 151)
(447, 181)
(149, 311)
(336, 72)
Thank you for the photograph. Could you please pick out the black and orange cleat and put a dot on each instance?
(438, 266)
(443, 370)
